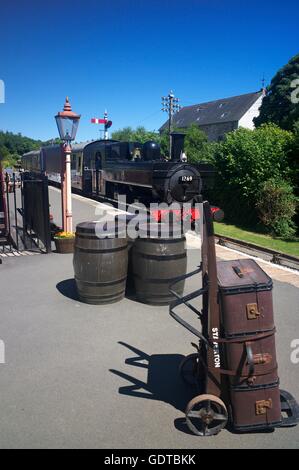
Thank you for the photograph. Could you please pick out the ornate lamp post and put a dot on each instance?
(67, 122)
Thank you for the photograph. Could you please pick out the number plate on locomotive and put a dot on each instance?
(186, 179)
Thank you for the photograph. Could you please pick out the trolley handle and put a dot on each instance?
(189, 327)
(185, 299)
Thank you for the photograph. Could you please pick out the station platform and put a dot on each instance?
(87, 376)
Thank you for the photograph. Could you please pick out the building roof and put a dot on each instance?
(214, 112)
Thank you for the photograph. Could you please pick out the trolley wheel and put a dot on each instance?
(189, 369)
(206, 415)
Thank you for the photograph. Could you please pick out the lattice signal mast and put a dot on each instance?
(170, 106)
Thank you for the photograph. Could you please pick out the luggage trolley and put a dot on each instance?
(211, 410)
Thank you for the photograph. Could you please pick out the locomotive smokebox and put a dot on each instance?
(177, 146)
(183, 183)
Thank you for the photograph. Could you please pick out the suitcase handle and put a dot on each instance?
(238, 271)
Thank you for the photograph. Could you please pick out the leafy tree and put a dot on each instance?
(197, 146)
(140, 134)
(5, 157)
(164, 143)
(13, 146)
(278, 106)
(125, 134)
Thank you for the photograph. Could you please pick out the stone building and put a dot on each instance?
(216, 118)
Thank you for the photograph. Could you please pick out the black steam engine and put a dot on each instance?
(109, 168)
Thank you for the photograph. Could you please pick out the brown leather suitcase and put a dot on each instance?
(246, 293)
(263, 366)
(248, 344)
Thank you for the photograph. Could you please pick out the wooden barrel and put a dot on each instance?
(100, 264)
(133, 223)
(157, 261)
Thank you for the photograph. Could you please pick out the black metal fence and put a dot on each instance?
(9, 228)
(35, 209)
(24, 212)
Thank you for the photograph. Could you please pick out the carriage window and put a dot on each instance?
(98, 161)
(79, 159)
(73, 161)
(115, 152)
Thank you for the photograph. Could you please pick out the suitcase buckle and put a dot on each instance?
(252, 311)
(261, 406)
(263, 358)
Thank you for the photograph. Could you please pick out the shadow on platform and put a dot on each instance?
(163, 381)
(68, 289)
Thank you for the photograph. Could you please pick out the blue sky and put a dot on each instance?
(124, 55)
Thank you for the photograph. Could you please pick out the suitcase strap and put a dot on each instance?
(234, 373)
(251, 358)
(246, 338)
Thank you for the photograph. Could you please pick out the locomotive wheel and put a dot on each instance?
(206, 415)
(189, 369)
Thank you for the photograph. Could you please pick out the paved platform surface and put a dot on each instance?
(84, 376)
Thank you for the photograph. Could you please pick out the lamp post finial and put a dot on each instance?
(67, 105)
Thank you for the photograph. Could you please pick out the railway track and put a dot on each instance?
(251, 249)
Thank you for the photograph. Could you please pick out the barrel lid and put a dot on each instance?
(102, 229)
(161, 230)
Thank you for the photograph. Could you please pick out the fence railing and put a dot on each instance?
(24, 212)
(35, 209)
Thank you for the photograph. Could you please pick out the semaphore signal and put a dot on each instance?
(104, 121)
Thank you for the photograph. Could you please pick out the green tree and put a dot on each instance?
(164, 143)
(13, 146)
(140, 134)
(125, 134)
(280, 105)
(5, 157)
(197, 146)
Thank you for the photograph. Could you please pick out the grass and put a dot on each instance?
(290, 247)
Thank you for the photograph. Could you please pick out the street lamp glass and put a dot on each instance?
(67, 127)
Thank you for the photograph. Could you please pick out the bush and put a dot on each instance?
(276, 204)
(244, 161)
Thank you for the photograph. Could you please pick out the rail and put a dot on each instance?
(268, 254)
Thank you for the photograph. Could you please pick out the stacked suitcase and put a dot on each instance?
(248, 345)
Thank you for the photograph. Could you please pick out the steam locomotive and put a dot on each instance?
(109, 167)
